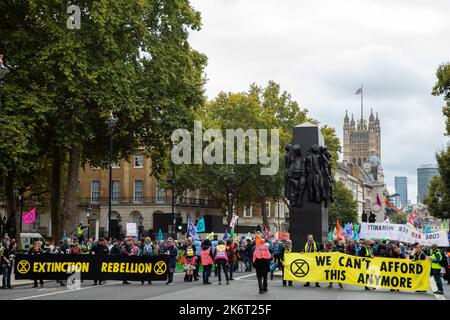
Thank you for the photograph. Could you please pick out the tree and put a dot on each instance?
(131, 58)
(442, 87)
(344, 208)
(259, 108)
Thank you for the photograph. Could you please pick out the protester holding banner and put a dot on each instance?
(171, 251)
(366, 251)
(328, 248)
(101, 249)
(37, 250)
(311, 246)
(287, 248)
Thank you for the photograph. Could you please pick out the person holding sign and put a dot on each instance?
(436, 258)
(311, 246)
(366, 251)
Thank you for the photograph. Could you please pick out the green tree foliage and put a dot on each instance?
(442, 87)
(259, 108)
(344, 208)
(438, 198)
(131, 58)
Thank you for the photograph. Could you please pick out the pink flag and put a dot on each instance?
(358, 91)
(29, 217)
(379, 201)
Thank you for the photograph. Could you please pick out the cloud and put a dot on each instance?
(321, 51)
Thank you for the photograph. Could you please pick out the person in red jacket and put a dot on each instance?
(207, 260)
(231, 257)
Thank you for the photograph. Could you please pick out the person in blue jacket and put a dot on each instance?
(172, 252)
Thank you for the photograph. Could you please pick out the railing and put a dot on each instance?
(142, 201)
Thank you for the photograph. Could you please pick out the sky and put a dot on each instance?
(322, 51)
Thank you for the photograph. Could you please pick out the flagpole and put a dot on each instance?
(362, 111)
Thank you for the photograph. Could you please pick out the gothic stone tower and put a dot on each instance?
(362, 139)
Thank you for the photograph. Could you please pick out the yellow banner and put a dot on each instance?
(388, 273)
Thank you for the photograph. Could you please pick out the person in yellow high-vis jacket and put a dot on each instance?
(311, 246)
(435, 258)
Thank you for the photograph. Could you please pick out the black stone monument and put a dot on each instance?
(308, 187)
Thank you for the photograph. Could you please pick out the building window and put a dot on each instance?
(138, 191)
(95, 191)
(206, 200)
(247, 212)
(197, 197)
(160, 194)
(138, 161)
(115, 192)
(268, 209)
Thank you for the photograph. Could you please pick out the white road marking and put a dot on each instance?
(66, 291)
(246, 276)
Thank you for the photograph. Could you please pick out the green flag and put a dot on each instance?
(232, 233)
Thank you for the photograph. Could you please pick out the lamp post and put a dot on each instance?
(231, 184)
(172, 182)
(111, 122)
(88, 216)
(21, 212)
(3, 71)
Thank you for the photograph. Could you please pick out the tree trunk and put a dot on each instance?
(264, 213)
(55, 200)
(13, 219)
(69, 217)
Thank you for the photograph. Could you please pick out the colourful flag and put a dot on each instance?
(427, 228)
(266, 231)
(233, 220)
(29, 217)
(192, 230)
(160, 235)
(210, 236)
(232, 233)
(339, 233)
(348, 230)
(201, 225)
(330, 236)
(225, 235)
(379, 201)
(334, 233)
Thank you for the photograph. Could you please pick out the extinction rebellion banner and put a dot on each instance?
(403, 233)
(385, 273)
(91, 267)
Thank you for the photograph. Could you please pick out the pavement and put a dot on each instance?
(243, 287)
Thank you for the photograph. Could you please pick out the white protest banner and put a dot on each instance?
(403, 233)
(132, 230)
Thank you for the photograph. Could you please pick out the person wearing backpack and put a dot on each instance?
(436, 261)
(231, 255)
(207, 260)
(189, 259)
(221, 260)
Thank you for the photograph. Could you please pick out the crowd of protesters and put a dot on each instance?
(225, 257)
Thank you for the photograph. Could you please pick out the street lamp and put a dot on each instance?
(172, 182)
(111, 122)
(3, 71)
(88, 216)
(231, 184)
